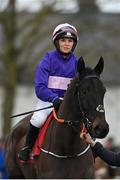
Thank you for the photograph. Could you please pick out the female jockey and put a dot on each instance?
(53, 74)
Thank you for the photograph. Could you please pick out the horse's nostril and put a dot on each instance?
(101, 131)
(97, 129)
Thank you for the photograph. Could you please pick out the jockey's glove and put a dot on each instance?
(56, 103)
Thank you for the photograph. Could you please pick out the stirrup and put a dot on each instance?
(24, 153)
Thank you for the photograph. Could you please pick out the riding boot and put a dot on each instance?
(32, 134)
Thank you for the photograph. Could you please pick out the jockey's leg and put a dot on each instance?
(30, 140)
(36, 122)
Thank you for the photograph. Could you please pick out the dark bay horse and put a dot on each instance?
(63, 154)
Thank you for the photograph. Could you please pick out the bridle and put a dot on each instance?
(100, 108)
(86, 122)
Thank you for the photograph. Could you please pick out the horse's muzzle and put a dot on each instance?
(101, 131)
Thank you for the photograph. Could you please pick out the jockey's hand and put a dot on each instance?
(56, 103)
(87, 138)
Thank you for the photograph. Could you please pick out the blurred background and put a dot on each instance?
(26, 28)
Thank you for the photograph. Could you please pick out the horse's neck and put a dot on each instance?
(68, 110)
(64, 139)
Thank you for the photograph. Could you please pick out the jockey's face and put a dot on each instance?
(65, 45)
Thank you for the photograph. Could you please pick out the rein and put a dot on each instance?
(58, 119)
(70, 122)
(87, 123)
(87, 126)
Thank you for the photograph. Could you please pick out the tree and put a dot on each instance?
(87, 6)
(10, 62)
(12, 53)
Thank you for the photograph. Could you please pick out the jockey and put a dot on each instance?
(53, 74)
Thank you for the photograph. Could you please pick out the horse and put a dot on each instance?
(64, 155)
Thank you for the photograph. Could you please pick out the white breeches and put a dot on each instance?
(40, 117)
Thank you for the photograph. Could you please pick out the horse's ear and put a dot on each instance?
(80, 64)
(99, 67)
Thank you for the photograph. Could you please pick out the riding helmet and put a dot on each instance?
(65, 30)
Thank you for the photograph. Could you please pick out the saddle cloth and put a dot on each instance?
(36, 148)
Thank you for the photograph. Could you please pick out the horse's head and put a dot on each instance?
(89, 95)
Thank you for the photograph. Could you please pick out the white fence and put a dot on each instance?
(26, 101)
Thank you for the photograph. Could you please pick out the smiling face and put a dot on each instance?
(65, 45)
